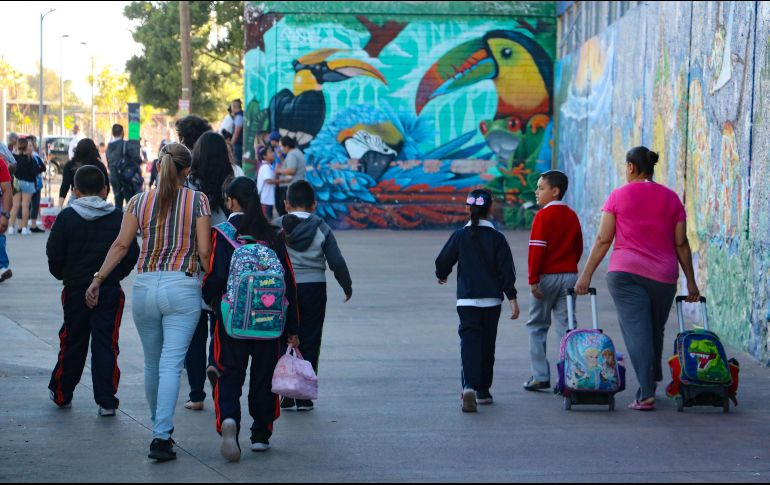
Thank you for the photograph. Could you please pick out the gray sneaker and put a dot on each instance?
(534, 385)
(469, 401)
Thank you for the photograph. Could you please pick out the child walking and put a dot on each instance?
(555, 248)
(232, 355)
(78, 243)
(485, 271)
(311, 245)
(266, 181)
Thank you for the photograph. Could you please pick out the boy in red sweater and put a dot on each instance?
(555, 248)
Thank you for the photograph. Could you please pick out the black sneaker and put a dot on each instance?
(162, 450)
(213, 374)
(484, 398)
(304, 405)
(287, 403)
(37, 230)
(533, 385)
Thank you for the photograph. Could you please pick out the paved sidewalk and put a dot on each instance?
(389, 408)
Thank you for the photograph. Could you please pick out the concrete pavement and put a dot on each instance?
(389, 406)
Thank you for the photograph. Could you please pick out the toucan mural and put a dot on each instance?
(400, 116)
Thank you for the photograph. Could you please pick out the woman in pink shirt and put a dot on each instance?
(647, 222)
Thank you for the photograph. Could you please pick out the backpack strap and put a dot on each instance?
(229, 232)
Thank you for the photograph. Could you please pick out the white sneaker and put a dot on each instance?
(25, 232)
(104, 412)
(11, 231)
(259, 447)
(230, 450)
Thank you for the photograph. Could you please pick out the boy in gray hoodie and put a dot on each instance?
(78, 243)
(311, 245)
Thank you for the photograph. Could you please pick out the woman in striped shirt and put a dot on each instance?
(176, 225)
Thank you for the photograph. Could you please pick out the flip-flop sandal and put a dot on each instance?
(194, 406)
(640, 406)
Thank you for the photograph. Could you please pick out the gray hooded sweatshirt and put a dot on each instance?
(92, 207)
(311, 245)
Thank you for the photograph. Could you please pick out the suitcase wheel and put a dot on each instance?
(680, 404)
(611, 403)
(726, 405)
(567, 403)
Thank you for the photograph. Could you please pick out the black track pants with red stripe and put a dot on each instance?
(232, 356)
(80, 325)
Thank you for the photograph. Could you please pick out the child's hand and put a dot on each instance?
(536, 291)
(514, 309)
(293, 341)
(442, 282)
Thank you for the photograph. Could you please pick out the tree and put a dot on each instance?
(217, 66)
(113, 92)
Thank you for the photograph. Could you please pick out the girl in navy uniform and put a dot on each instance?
(485, 272)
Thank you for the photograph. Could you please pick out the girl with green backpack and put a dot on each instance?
(247, 232)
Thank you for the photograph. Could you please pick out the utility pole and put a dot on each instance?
(184, 29)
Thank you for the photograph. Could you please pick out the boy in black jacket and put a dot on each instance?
(485, 273)
(78, 243)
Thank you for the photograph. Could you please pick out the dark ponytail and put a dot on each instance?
(479, 211)
(254, 223)
(643, 159)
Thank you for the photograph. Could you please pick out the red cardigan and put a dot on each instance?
(556, 242)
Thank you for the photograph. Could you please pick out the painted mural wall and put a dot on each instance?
(401, 108)
(689, 80)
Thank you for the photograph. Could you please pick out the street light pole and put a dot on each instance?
(61, 83)
(40, 107)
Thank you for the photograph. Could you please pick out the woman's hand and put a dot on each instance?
(442, 282)
(582, 285)
(515, 309)
(293, 341)
(92, 295)
(693, 293)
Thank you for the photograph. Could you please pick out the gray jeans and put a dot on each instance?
(554, 287)
(643, 306)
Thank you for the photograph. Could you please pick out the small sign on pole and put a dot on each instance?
(134, 121)
(184, 107)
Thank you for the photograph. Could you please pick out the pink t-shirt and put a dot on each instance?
(646, 215)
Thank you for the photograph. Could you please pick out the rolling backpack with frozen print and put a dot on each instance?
(254, 306)
(590, 371)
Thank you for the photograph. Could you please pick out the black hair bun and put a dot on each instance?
(652, 157)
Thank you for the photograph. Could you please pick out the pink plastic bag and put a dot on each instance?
(294, 377)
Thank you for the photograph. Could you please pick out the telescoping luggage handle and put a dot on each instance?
(680, 313)
(571, 308)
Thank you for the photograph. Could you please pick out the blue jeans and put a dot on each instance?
(166, 308)
(4, 261)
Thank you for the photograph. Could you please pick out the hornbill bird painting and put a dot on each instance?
(300, 113)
